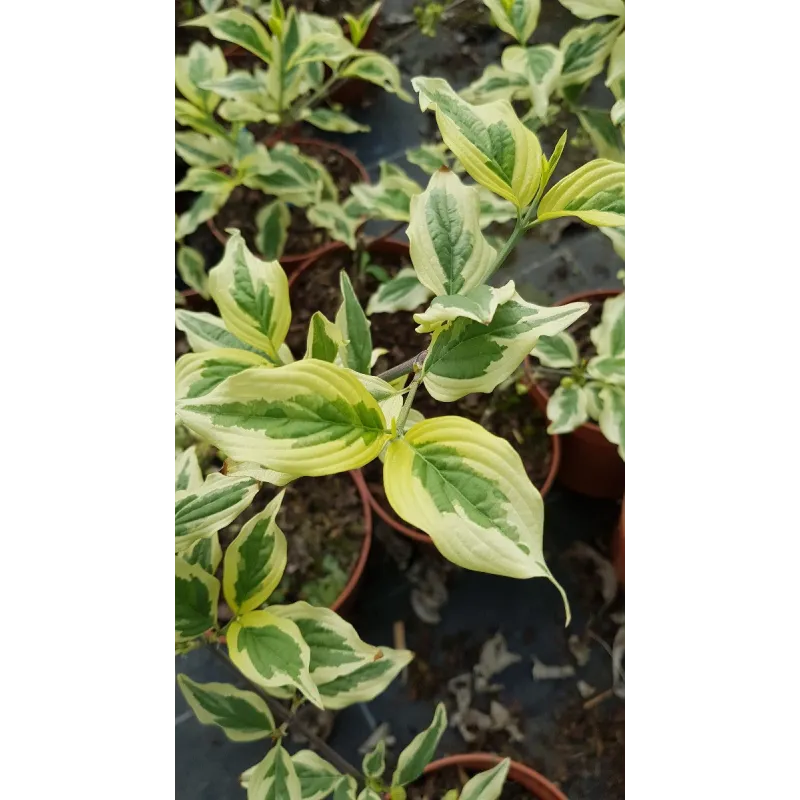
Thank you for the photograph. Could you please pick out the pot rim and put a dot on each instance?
(519, 773)
(349, 155)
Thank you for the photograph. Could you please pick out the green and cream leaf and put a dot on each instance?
(201, 64)
(206, 552)
(374, 762)
(585, 51)
(274, 778)
(517, 18)
(324, 338)
(591, 9)
(595, 193)
(607, 369)
(207, 332)
(403, 292)
(377, 69)
(188, 475)
(272, 229)
(240, 28)
(317, 777)
(479, 304)
(333, 218)
(429, 157)
(496, 83)
(541, 67)
(192, 269)
(419, 752)
(612, 416)
(196, 374)
(355, 327)
(199, 150)
(196, 598)
(605, 135)
(559, 351)
(567, 408)
(204, 207)
(609, 336)
(328, 120)
(486, 785)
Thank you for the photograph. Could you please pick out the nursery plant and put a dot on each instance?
(276, 416)
(289, 86)
(590, 388)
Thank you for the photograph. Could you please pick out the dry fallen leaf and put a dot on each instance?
(586, 690)
(495, 657)
(381, 733)
(581, 651)
(605, 570)
(545, 672)
(617, 657)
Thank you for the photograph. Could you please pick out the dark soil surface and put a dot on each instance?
(323, 521)
(435, 786)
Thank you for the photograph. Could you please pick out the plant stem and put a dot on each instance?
(403, 369)
(409, 401)
(316, 97)
(511, 243)
(281, 712)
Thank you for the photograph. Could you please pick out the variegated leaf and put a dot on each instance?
(389, 199)
(205, 552)
(346, 789)
(272, 229)
(207, 332)
(448, 250)
(197, 119)
(255, 560)
(203, 208)
(292, 176)
(486, 785)
(334, 219)
(328, 120)
(470, 357)
(324, 338)
(192, 269)
(304, 418)
(188, 475)
(360, 25)
(374, 762)
(517, 18)
(238, 85)
(617, 237)
(594, 403)
(196, 374)
(196, 598)
(496, 83)
(559, 351)
(389, 396)
(211, 507)
(479, 304)
(586, 50)
(567, 408)
(494, 208)
(198, 150)
(615, 78)
(201, 64)
(240, 28)
(252, 470)
(549, 164)
(242, 715)
(541, 66)
(429, 157)
(591, 9)
(494, 147)
(252, 296)
(317, 777)
(419, 752)
(612, 416)
(270, 651)
(605, 135)
(594, 193)
(468, 490)
(335, 646)
(366, 682)
(201, 179)
(608, 369)
(609, 336)
(275, 778)
(368, 794)
(377, 69)
(404, 292)
(355, 327)
(330, 48)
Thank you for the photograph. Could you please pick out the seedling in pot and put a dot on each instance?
(219, 105)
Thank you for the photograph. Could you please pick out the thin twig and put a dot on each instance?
(597, 699)
(404, 368)
(388, 235)
(281, 712)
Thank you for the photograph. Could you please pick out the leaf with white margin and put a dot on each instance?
(252, 296)
(609, 336)
(389, 397)
(608, 369)
(612, 416)
(212, 506)
(202, 63)
(585, 51)
(377, 69)
(470, 357)
(486, 785)
(449, 252)
(494, 208)
(197, 374)
(188, 475)
(355, 327)
(559, 351)
(304, 418)
(429, 157)
(196, 598)
(205, 206)
(605, 135)
(389, 199)
(242, 715)
(479, 304)
(329, 48)
(270, 651)
(549, 164)
(360, 25)
(541, 66)
(197, 119)
(255, 560)
(617, 237)
(494, 147)
(403, 292)
(274, 778)
(324, 338)
(272, 229)
(590, 9)
(420, 750)
(203, 179)
(517, 18)
(207, 332)
(240, 28)
(328, 120)
(368, 794)
(496, 83)
(346, 789)
(198, 150)
(317, 777)
(292, 176)
(205, 552)
(594, 193)
(333, 218)
(594, 403)
(336, 648)
(468, 490)
(374, 762)
(249, 469)
(192, 269)
(615, 77)
(366, 682)
(567, 409)
(239, 84)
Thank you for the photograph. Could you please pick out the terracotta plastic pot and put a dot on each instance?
(294, 259)
(395, 247)
(523, 776)
(590, 464)
(619, 547)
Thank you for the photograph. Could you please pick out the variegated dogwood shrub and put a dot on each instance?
(591, 388)
(542, 76)
(218, 103)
